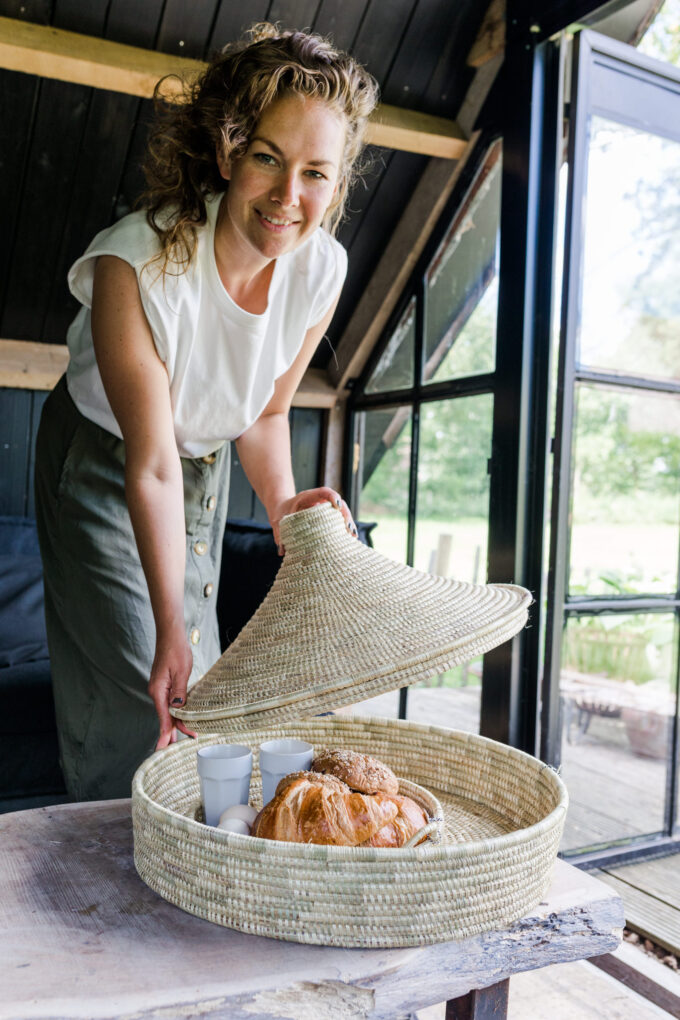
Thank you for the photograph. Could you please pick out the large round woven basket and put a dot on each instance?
(503, 817)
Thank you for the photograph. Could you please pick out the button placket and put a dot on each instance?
(200, 546)
(201, 550)
(207, 510)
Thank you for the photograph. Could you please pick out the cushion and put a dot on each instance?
(29, 767)
(18, 535)
(26, 693)
(22, 622)
(250, 563)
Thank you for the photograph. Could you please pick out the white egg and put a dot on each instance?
(244, 812)
(235, 825)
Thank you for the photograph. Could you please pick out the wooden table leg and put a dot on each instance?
(481, 1004)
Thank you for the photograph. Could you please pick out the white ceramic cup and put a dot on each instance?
(278, 758)
(224, 774)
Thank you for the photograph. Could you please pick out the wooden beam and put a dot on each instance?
(410, 236)
(332, 443)
(100, 63)
(87, 60)
(409, 131)
(315, 390)
(640, 983)
(490, 39)
(478, 92)
(26, 365)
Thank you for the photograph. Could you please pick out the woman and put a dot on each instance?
(199, 319)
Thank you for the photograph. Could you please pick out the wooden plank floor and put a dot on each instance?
(569, 991)
(612, 792)
(650, 891)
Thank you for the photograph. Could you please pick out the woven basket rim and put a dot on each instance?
(360, 855)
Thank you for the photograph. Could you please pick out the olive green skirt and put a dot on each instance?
(100, 627)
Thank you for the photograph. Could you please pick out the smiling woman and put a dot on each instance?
(200, 313)
(279, 191)
(223, 113)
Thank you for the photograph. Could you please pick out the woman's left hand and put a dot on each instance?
(306, 499)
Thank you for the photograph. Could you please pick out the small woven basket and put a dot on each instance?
(503, 815)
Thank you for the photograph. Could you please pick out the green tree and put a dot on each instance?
(662, 38)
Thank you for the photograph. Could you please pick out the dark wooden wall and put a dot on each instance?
(70, 155)
(19, 418)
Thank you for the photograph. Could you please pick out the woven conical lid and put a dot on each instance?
(343, 623)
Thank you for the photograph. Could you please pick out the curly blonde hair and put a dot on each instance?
(221, 109)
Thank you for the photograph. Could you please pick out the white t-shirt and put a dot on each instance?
(221, 360)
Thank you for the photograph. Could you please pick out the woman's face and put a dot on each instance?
(280, 189)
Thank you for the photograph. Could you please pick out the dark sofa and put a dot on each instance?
(29, 767)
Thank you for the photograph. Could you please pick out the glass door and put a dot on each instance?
(610, 697)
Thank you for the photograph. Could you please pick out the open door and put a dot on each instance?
(610, 702)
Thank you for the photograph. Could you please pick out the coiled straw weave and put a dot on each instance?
(342, 623)
(503, 817)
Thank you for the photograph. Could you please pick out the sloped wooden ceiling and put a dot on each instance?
(70, 154)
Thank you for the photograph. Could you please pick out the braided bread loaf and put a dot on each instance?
(312, 808)
(348, 799)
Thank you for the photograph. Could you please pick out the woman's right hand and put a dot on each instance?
(168, 686)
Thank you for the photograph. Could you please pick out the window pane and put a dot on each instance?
(460, 321)
(617, 690)
(630, 317)
(626, 513)
(453, 487)
(473, 350)
(394, 370)
(384, 445)
(451, 536)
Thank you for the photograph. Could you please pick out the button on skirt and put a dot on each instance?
(100, 628)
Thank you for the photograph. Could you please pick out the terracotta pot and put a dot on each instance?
(648, 732)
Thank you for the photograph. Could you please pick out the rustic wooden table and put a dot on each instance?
(81, 936)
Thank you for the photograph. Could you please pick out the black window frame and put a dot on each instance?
(529, 115)
(419, 393)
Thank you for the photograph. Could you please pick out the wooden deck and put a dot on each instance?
(613, 793)
(571, 991)
(651, 895)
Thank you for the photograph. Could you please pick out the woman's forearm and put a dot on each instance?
(156, 506)
(264, 452)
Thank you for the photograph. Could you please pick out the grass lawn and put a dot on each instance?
(643, 555)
